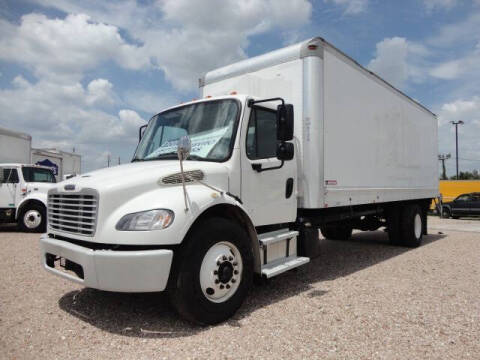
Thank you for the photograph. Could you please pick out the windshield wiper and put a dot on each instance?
(195, 157)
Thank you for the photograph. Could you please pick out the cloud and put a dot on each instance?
(432, 5)
(467, 110)
(149, 102)
(398, 60)
(352, 7)
(459, 33)
(67, 115)
(184, 39)
(65, 48)
(467, 65)
(100, 93)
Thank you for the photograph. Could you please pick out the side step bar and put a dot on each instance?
(279, 252)
(281, 265)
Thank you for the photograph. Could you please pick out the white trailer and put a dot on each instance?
(14, 146)
(251, 186)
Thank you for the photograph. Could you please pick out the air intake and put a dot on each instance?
(190, 176)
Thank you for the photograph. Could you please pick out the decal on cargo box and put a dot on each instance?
(330, 182)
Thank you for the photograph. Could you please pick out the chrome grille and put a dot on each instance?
(73, 213)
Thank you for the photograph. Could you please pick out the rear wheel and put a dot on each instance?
(213, 273)
(412, 225)
(32, 218)
(393, 216)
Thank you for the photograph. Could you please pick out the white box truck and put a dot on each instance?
(238, 184)
(23, 195)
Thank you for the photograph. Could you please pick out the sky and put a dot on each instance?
(86, 74)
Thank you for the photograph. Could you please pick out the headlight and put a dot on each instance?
(146, 220)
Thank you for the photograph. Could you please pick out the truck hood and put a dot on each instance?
(144, 176)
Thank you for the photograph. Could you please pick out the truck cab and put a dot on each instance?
(145, 220)
(23, 195)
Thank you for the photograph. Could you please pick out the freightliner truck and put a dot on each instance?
(238, 184)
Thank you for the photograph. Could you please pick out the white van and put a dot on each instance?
(23, 195)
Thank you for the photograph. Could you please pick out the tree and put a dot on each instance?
(467, 175)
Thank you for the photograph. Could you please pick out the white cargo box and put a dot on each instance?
(360, 140)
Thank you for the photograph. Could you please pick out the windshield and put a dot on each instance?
(32, 174)
(210, 126)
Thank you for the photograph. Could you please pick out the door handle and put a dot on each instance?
(258, 167)
(289, 188)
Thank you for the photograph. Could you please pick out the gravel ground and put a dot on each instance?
(361, 299)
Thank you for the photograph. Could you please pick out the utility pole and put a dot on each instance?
(456, 123)
(108, 160)
(119, 160)
(442, 158)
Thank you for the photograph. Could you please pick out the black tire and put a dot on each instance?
(308, 242)
(446, 213)
(26, 218)
(392, 216)
(336, 232)
(411, 235)
(186, 294)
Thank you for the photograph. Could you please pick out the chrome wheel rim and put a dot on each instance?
(32, 219)
(418, 226)
(221, 272)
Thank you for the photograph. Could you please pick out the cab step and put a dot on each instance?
(273, 237)
(284, 264)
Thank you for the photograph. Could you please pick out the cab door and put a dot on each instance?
(9, 188)
(461, 205)
(268, 187)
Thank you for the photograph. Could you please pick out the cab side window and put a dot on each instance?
(262, 134)
(10, 176)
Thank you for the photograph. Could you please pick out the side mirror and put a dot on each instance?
(285, 151)
(285, 122)
(141, 130)
(184, 147)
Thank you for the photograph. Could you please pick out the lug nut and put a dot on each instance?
(230, 258)
(224, 257)
(228, 286)
(217, 281)
(218, 262)
(234, 281)
(235, 272)
(215, 272)
(221, 286)
(235, 263)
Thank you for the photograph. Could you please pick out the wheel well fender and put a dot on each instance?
(29, 202)
(238, 215)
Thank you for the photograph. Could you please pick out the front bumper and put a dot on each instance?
(123, 271)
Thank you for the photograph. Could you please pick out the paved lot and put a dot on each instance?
(360, 299)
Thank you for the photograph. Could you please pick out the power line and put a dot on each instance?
(469, 159)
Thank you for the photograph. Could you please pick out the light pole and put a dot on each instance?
(456, 123)
(442, 158)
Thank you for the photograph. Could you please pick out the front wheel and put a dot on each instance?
(446, 213)
(213, 272)
(32, 218)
